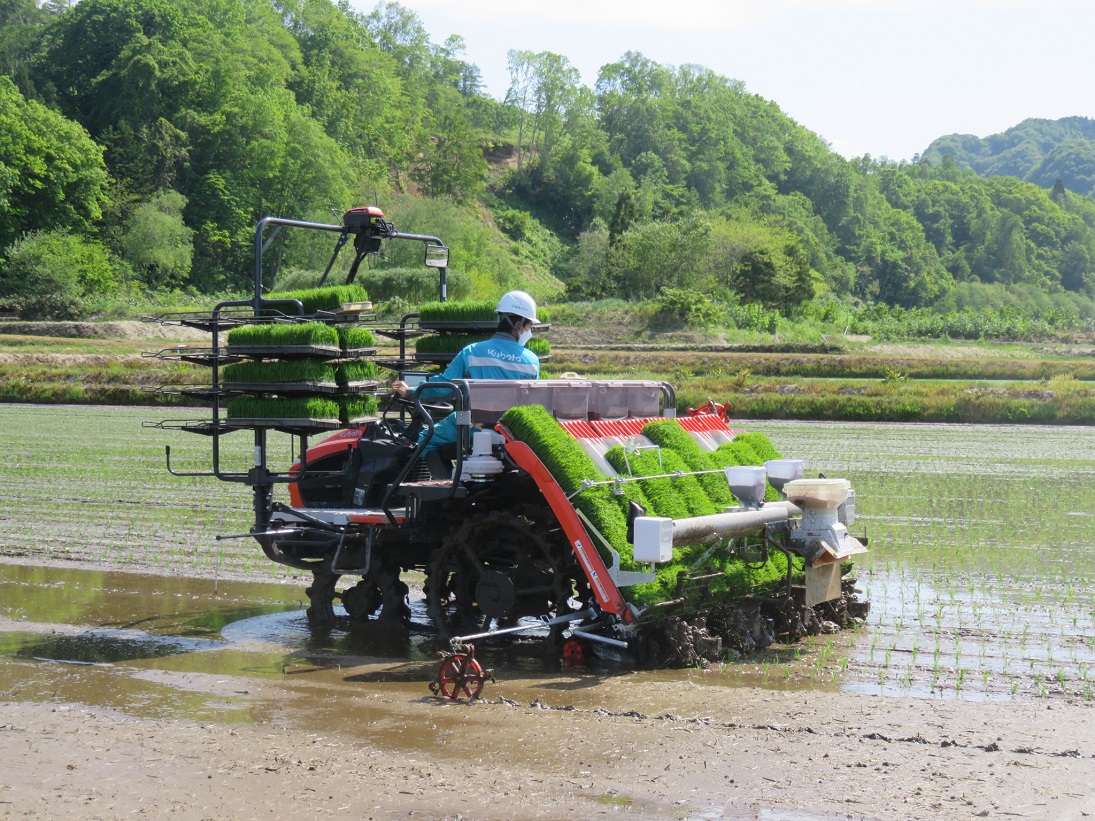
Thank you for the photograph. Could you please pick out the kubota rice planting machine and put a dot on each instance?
(587, 511)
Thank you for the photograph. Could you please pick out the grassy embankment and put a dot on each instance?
(830, 379)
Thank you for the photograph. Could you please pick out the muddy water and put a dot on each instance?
(153, 646)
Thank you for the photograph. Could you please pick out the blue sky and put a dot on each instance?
(878, 77)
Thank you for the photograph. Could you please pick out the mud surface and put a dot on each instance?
(124, 694)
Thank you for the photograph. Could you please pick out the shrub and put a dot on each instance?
(413, 285)
(680, 306)
(48, 275)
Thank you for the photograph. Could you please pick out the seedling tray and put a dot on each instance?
(287, 425)
(281, 387)
(195, 356)
(283, 351)
(358, 353)
(438, 357)
(358, 387)
(208, 427)
(457, 325)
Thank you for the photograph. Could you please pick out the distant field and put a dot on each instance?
(959, 382)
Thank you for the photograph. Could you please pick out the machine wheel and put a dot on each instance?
(321, 596)
(494, 568)
(384, 592)
(460, 676)
(362, 600)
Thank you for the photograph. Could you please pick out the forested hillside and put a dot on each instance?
(1038, 151)
(141, 140)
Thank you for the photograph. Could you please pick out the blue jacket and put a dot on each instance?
(499, 357)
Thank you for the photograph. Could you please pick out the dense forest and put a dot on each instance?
(1038, 151)
(141, 140)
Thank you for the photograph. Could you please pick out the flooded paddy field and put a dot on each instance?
(981, 574)
(970, 685)
(980, 571)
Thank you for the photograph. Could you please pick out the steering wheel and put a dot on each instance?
(432, 408)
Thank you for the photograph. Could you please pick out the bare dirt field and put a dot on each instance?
(272, 732)
(625, 749)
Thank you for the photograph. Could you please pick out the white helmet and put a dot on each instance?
(519, 303)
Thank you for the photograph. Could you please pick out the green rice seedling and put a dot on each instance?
(760, 444)
(669, 435)
(740, 452)
(447, 343)
(353, 337)
(570, 465)
(479, 311)
(539, 346)
(354, 407)
(960, 679)
(676, 498)
(283, 335)
(361, 370)
(251, 407)
(330, 298)
(279, 371)
(454, 342)
(737, 579)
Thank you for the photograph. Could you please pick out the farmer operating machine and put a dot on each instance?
(589, 510)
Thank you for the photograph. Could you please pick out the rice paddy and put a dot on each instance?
(980, 574)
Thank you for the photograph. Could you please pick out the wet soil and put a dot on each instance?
(126, 694)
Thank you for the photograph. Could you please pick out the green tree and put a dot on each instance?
(157, 243)
(51, 172)
(351, 87)
(21, 25)
(587, 270)
(761, 261)
(451, 164)
(658, 255)
(544, 89)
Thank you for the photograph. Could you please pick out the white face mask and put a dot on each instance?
(525, 336)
